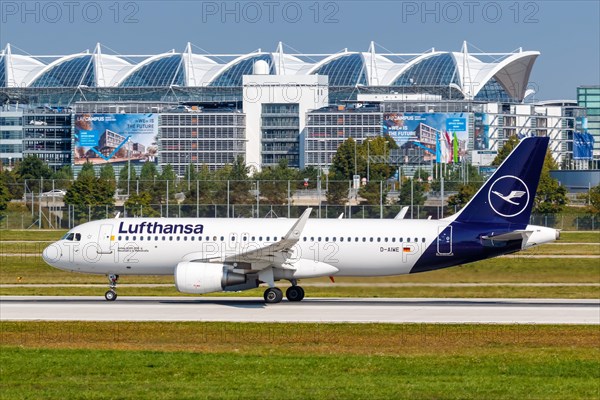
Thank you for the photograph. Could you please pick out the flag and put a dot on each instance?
(438, 149)
(455, 150)
(448, 148)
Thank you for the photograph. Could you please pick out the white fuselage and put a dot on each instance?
(356, 247)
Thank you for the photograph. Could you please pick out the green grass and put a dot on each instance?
(297, 361)
(580, 237)
(32, 234)
(540, 270)
(25, 247)
(565, 249)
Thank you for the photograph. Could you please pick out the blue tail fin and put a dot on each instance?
(507, 197)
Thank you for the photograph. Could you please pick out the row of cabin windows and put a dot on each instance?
(268, 239)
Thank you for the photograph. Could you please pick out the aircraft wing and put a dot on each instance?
(275, 254)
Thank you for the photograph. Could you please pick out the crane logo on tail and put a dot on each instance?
(515, 194)
(508, 196)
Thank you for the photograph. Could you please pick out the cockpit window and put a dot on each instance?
(72, 236)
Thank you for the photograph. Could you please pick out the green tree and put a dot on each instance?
(165, 186)
(551, 197)
(87, 171)
(90, 196)
(337, 193)
(148, 176)
(13, 184)
(418, 187)
(345, 159)
(372, 193)
(127, 177)
(506, 149)
(594, 198)
(465, 193)
(63, 177)
(366, 160)
(206, 186)
(239, 183)
(140, 205)
(4, 196)
(33, 169)
(107, 174)
(274, 182)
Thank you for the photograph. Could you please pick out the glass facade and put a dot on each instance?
(48, 136)
(280, 130)
(213, 139)
(346, 70)
(328, 129)
(78, 71)
(493, 91)
(438, 70)
(11, 137)
(2, 72)
(232, 76)
(589, 97)
(162, 72)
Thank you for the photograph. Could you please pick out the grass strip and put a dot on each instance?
(297, 361)
(32, 234)
(15, 269)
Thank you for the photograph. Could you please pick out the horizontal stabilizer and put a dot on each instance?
(501, 239)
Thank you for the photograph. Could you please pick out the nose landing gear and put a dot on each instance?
(111, 294)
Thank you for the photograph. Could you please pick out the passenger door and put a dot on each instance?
(444, 241)
(104, 239)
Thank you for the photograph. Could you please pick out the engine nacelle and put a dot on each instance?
(199, 278)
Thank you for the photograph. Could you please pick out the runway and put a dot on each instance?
(315, 310)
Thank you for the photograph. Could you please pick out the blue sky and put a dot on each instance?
(567, 33)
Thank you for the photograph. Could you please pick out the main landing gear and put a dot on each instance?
(111, 294)
(275, 295)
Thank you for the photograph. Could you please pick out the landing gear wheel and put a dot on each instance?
(110, 295)
(294, 293)
(273, 295)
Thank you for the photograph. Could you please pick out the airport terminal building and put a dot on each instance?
(207, 109)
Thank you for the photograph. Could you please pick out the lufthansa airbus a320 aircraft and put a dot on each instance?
(212, 255)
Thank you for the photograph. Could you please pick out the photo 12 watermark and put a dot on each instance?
(453, 12)
(56, 12)
(253, 12)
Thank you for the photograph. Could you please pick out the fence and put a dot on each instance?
(68, 216)
(40, 206)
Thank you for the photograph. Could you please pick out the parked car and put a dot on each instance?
(54, 193)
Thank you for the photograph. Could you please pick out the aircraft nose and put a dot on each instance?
(52, 254)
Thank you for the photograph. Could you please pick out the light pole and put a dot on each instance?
(355, 170)
(368, 160)
(385, 146)
(319, 176)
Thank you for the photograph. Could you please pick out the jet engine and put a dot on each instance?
(199, 278)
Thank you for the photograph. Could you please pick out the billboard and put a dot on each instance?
(583, 146)
(442, 137)
(115, 138)
(481, 134)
